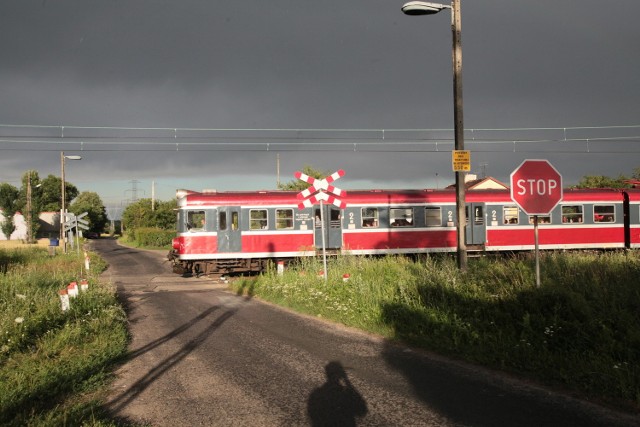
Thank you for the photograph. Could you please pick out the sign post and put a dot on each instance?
(536, 186)
(318, 192)
(72, 221)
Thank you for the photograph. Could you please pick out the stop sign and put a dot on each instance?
(536, 187)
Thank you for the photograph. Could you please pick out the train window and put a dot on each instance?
(433, 216)
(510, 214)
(604, 213)
(258, 219)
(335, 221)
(284, 219)
(234, 221)
(222, 221)
(542, 219)
(401, 217)
(478, 215)
(370, 217)
(571, 214)
(195, 220)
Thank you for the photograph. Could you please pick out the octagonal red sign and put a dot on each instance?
(536, 186)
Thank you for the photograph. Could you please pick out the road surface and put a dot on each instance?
(201, 355)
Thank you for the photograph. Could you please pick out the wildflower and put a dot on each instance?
(19, 319)
(20, 296)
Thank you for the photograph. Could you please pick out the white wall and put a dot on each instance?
(20, 233)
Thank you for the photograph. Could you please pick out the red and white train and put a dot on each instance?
(222, 232)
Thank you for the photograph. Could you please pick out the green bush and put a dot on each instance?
(153, 237)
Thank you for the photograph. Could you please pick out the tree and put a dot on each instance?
(28, 202)
(140, 214)
(601, 181)
(137, 215)
(165, 215)
(8, 199)
(50, 197)
(298, 185)
(90, 202)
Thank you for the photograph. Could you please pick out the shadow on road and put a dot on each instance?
(336, 402)
(157, 371)
(467, 396)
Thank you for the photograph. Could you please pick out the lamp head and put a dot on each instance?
(416, 8)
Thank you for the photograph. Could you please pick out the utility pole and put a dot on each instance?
(29, 228)
(278, 171)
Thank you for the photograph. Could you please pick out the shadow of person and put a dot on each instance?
(336, 402)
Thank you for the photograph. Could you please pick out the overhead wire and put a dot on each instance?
(319, 140)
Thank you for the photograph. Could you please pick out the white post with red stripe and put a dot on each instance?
(324, 245)
(318, 193)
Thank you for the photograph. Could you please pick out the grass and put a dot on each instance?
(13, 244)
(129, 239)
(53, 364)
(580, 330)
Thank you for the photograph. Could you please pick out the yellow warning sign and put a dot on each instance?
(461, 160)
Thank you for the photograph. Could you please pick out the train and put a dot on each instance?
(244, 231)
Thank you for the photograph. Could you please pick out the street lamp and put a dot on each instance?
(62, 191)
(416, 8)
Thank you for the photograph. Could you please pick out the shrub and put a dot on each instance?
(153, 237)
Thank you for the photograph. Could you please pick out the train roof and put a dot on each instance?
(386, 196)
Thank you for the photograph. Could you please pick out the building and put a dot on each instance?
(472, 182)
(49, 225)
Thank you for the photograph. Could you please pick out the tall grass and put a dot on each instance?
(579, 330)
(52, 363)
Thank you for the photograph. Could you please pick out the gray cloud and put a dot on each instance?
(302, 64)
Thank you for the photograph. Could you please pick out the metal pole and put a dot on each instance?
(456, 29)
(324, 250)
(537, 249)
(75, 222)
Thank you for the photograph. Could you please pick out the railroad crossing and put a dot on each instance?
(321, 191)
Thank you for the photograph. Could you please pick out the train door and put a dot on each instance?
(229, 234)
(476, 229)
(332, 227)
(627, 219)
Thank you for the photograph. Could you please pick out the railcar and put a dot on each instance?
(223, 232)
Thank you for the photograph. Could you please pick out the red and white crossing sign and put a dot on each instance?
(321, 196)
(536, 186)
(319, 189)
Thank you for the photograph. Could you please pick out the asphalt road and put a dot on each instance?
(201, 355)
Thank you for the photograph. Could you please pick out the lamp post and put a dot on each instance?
(416, 8)
(62, 191)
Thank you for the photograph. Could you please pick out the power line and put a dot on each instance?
(357, 140)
